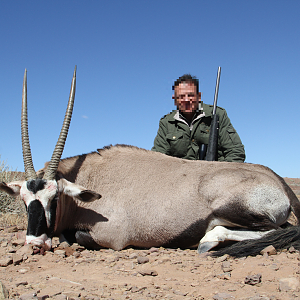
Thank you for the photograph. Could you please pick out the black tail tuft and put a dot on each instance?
(279, 239)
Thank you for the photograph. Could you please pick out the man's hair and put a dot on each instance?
(187, 78)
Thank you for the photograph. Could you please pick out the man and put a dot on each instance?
(183, 131)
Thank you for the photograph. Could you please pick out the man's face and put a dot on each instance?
(186, 98)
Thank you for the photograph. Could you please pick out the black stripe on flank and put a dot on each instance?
(37, 224)
(189, 237)
(236, 213)
(35, 185)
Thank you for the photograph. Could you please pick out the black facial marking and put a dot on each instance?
(37, 224)
(52, 217)
(35, 185)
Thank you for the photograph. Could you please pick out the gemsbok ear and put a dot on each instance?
(12, 188)
(77, 191)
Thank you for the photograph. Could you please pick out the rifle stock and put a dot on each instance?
(211, 153)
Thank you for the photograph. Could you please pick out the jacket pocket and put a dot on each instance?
(174, 136)
(178, 144)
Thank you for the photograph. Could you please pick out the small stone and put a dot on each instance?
(29, 296)
(64, 244)
(12, 229)
(23, 271)
(76, 254)
(142, 259)
(4, 244)
(19, 242)
(288, 284)
(4, 262)
(222, 258)
(132, 256)
(226, 266)
(17, 259)
(25, 250)
(292, 249)
(253, 279)
(270, 250)
(153, 249)
(21, 283)
(77, 247)
(179, 293)
(148, 272)
(60, 252)
(222, 296)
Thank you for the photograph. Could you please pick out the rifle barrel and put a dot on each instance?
(216, 91)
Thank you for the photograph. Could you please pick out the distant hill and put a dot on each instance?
(294, 183)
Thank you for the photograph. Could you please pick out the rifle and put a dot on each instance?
(214, 127)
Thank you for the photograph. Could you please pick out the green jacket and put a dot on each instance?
(176, 138)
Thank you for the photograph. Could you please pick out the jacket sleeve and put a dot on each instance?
(230, 144)
(160, 142)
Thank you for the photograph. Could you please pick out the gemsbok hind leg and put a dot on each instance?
(220, 234)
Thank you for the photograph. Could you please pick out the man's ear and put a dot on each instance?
(77, 191)
(199, 96)
(175, 102)
(12, 188)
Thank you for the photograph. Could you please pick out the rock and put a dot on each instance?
(43, 297)
(17, 259)
(25, 250)
(148, 272)
(222, 258)
(292, 250)
(60, 252)
(253, 279)
(132, 256)
(4, 244)
(222, 296)
(76, 254)
(28, 296)
(179, 293)
(23, 271)
(4, 262)
(288, 284)
(61, 297)
(12, 229)
(226, 267)
(142, 260)
(153, 249)
(270, 250)
(64, 244)
(21, 235)
(19, 242)
(77, 247)
(3, 291)
(21, 283)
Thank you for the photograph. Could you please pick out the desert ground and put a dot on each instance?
(73, 272)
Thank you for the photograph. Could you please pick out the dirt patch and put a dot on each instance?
(72, 272)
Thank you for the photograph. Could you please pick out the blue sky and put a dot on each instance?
(129, 53)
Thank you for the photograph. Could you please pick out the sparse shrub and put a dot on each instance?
(9, 204)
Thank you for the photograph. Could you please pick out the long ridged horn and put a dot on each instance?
(59, 148)
(27, 158)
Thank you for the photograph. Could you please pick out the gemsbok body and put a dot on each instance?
(123, 196)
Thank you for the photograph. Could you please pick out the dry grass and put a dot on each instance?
(9, 204)
(9, 219)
